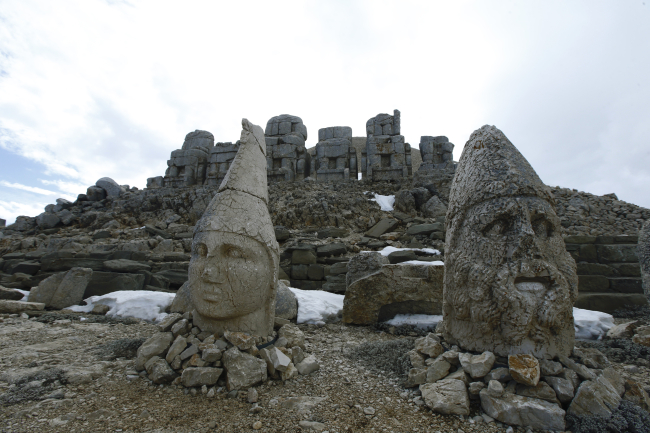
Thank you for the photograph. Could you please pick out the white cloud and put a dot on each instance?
(104, 88)
(11, 209)
(27, 188)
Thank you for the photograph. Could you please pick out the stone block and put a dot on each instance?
(303, 257)
(593, 283)
(391, 290)
(627, 269)
(596, 269)
(315, 272)
(523, 411)
(102, 283)
(299, 272)
(626, 285)
(609, 302)
(328, 250)
(448, 397)
(617, 254)
(383, 226)
(15, 307)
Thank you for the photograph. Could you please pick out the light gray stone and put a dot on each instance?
(177, 347)
(438, 370)
(169, 321)
(429, 345)
(563, 388)
(243, 370)
(286, 306)
(161, 372)
(477, 366)
(63, 289)
(211, 355)
(499, 207)
(110, 186)
(448, 397)
(364, 264)
(595, 398)
(542, 391)
(549, 368)
(156, 345)
(13, 307)
(124, 265)
(502, 374)
(308, 365)
(523, 411)
(279, 360)
(495, 388)
(293, 335)
(198, 376)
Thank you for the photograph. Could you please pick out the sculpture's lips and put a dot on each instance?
(533, 284)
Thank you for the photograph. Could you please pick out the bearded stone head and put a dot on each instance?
(509, 283)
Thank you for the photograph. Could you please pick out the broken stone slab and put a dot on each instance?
(199, 376)
(425, 229)
(383, 226)
(624, 330)
(124, 265)
(429, 345)
(563, 388)
(329, 250)
(392, 290)
(154, 346)
(523, 411)
(242, 340)
(524, 369)
(580, 369)
(10, 295)
(279, 360)
(62, 290)
(161, 372)
(363, 265)
(177, 347)
(15, 307)
(438, 369)
(448, 397)
(542, 391)
(549, 368)
(244, 370)
(169, 321)
(401, 256)
(308, 365)
(595, 398)
(477, 366)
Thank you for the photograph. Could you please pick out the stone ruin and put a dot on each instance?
(187, 165)
(387, 156)
(643, 253)
(286, 155)
(437, 154)
(335, 159)
(221, 156)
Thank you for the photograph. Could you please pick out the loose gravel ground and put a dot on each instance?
(347, 394)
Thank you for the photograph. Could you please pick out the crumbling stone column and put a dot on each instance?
(387, 156)
(286, 156)
(335, 158)
(187, 166)
(221, 156)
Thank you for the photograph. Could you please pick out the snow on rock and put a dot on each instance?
(422, 321)
(591, 325)
(141, 304)
(317, 306)
(420, 262)
(24, 292)
(387, 250)
(385, 202)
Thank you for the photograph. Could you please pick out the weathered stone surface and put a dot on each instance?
(643, 253)
(244, 370)
(161, 372)
(308, 365)
(636, 394)
(293, 335)
(383, 226)
(623, 330)
(102, 283)
(416, 376)
(477, 366)
(595, 398)
(393, 289)
(509, 282)
(154, 346)
(233, 271)
(429, 345)
(286, 305)
(447, 396)
(62, 290)
(279, 360)
(549, 368)
(123, 265)
(13, 307)
(169, 321)
(501, 374)
(542, 391)
(524, 369)
(523, 411)
(10, 295)
(110, 186)
(364, 264)
(438, 370)
(401, 256)
(198, 376)
(563, 388)
(177, 347)
(580, 369)
(328, 250)
(242, 340)
(433, 208)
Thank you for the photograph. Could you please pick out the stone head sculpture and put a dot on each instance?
(235, 256)
(509, 283)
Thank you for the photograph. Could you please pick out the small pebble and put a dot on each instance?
(257, 425)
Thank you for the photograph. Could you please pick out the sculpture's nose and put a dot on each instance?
(213, 274)
(523, 244)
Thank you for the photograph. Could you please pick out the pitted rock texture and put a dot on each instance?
(643, 252)
(510, 285)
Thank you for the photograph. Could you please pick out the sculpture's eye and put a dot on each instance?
(542, 227)
(234, 253)
(496, 228)
(201, 250)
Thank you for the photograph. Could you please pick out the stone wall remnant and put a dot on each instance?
(187, 166)
(233, 271)
(387, 156)
(286, 156)
(437, 169)
(335, 158)
(510, 284)
(643, 252)
(221, 156)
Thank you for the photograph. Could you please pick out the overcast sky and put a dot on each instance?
(94, 88)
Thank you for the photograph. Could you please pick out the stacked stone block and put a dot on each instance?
(286, 155)
(316, 267)
(221, 156)
(187, 166)
(387, 156)
(437, 153)
(335, 158)
(609, 274)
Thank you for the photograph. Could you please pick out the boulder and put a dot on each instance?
(95, 193)
(438, 369)
(161, 372)
(308, 365)
(47, 220)
(404, 201)
(429, 345)
(244, 370)
(433, 208)
(448, 397)
(286, 304)
(383, 226)
(523, 411)
(563, 388)
(363, 265)
(62, 290)
(154, 346)
(14, 307)
(595, 398)
(199, 376)
(392, 290)
(477, 366)
(294, 336)
(524, 369)
(401, 256)
(110, 186)
(10, 295)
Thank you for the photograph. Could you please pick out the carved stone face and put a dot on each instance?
(231, 275)
(510, 283)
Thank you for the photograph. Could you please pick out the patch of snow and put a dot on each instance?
(591, 325)
(141, 304)
(385, 202)
(317, 306)
(420, 262)
(359, 176)
(387, 250)
(422, 321)
(24, 292)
